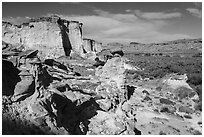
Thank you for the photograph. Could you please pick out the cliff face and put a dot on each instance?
(52, 36)
(75, 35)
(90, 45)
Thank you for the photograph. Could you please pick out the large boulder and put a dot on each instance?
(25, 87)
(112, 77)
(113, 70)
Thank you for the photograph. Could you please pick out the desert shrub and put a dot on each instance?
(159, 66)
(158, 88)
(195, 79)
(147, 54)
(198, 106)
(162, 133)
(198, 89)
(197, 55)
(174, 68)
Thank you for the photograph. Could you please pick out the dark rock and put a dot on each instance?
(145, 92)
(166, 101)
(158, 88)
(131, 90)
(187, 116)
(137, 132)
(117, 51)
(98, 62)
(52, 62)
(168, 109)
(24, 88)
(147, 98)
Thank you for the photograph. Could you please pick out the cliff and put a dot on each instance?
(52, 36)
(90, 45)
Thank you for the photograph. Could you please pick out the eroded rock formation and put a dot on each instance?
(51, 36)
(90, 45)
(88, 91)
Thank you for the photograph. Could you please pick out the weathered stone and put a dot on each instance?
(25, 87)
(90, 45)
(104, 55)
(48, 35)
(37, 109)
(166, 101)
(185, 109)
(104, 104)
(183, 92)
(168, 109)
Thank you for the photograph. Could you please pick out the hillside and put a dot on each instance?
(182, 46)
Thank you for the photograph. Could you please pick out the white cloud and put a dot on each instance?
(195, 12)
(123, 17)
(108, 27)
(157, 15)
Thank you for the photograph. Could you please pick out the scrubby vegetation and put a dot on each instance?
(159, 66)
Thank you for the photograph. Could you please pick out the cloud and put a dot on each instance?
(109, 27)
(156, 15)
(195, 12)
(122, 17)
(125, 28)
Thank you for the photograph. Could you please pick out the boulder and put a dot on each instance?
(25, 87)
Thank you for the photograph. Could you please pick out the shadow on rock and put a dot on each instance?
(73, 118)
(9, 77)
(15, 126)
(130, 90)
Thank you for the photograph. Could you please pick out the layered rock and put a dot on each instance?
(90, 45)
(52, 36)
(74, 95)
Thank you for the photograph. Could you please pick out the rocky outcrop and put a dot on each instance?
(90, 45)
(75, 95)
(51, 36)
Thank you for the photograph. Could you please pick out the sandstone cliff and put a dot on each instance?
(90, 45)
(52, 36)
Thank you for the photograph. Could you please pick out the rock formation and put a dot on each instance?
(90, 45)
(89, 90)
(51, 36)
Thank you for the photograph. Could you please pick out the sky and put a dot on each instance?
(122, 22)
